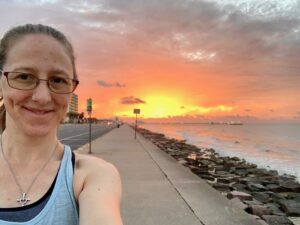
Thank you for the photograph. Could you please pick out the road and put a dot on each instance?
(77, 135)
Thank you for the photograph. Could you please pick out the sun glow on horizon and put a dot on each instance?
(166, 107)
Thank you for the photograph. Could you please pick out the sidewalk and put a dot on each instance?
(157, 190)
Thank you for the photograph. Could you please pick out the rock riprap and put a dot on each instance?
(263, 193)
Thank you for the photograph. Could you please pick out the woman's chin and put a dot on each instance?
(38, 130)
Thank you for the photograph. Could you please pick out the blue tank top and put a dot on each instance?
(60, 207)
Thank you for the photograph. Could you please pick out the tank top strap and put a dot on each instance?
(70, 174)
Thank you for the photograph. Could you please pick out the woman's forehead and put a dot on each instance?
(31, 43)
(35, 50)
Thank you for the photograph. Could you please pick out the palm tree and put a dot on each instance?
(73, 116)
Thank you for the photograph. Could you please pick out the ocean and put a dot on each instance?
(271, 146)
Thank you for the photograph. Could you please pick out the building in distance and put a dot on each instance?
(72, 111)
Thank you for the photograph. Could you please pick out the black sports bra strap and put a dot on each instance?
(73, 160)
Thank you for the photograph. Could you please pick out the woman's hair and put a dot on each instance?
(17, 33)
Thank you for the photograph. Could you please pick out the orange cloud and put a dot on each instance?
(198, 54)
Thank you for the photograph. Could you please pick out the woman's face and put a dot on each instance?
(39, 111)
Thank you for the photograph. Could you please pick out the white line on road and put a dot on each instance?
(67, 138)
(78, 139)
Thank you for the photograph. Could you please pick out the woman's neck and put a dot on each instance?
(22, 148)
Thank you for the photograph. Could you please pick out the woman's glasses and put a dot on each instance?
(26, 81)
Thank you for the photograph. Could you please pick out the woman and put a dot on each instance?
(41, 181)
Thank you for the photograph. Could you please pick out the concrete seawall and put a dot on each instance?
(157, 190)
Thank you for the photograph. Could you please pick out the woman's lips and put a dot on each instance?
(39, 112)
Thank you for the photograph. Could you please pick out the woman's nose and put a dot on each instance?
(41, 93)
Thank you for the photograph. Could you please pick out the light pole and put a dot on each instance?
(89, 110)
(136, 112)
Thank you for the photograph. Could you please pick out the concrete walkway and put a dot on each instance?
(157, 190)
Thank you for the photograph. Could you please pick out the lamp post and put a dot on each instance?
(89, 110)
(136, 112)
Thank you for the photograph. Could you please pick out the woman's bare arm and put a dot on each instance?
(100, 198)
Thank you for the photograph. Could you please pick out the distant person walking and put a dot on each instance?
(41, 180)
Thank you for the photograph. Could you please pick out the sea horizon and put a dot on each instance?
(269, 145)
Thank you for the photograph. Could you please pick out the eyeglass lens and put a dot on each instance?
(26, 81)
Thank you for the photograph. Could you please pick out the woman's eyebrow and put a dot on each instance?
(23, 68)
(60, 72)
(34, 70)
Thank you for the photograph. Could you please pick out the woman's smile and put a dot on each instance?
(38, 112)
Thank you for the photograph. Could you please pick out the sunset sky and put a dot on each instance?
(178, 60)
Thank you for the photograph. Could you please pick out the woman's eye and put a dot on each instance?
(23, 76)
(59, 80)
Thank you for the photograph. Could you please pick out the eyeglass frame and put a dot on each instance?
(5, 73)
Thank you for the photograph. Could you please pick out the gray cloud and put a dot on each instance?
(244, 33)
(131, 101)
(195, 30)
(247, 110)
(105, 84)
(255, 39)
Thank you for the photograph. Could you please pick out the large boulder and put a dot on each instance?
(263, 197)
(275, 209)
(239, 187)
(222, 187)
(256, 187)
(277, 196)
(290, 207)
(292, 186)
(226, 180)
(259, 210)
(277, 220)
(241, 195)
(241, 172)
(294, 196)
(274, 188)
(253, 202)
(199, 170)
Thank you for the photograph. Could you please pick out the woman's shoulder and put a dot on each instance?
(91, 165)
(90, 170)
